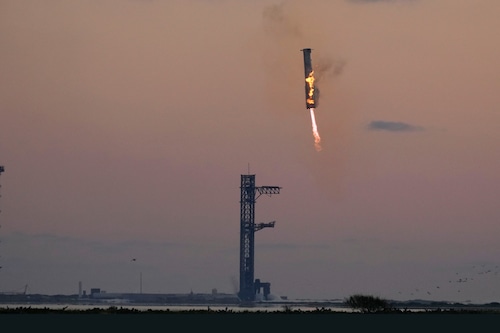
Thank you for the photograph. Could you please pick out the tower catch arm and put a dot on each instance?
(269, 190)
(260, 226)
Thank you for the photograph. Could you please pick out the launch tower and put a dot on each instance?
(2, 169)
(249, 194)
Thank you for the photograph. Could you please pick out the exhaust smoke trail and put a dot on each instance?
(317, 138)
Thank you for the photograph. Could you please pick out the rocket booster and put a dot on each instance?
(307, 62)
(309, 78)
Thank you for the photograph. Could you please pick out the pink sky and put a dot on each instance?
(125, 126)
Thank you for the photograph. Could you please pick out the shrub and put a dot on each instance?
(367, 303)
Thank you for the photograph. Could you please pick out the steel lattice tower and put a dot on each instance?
(249, 287)
(2, 169)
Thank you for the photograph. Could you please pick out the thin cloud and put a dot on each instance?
(392, 126)
(375, 1)
(294, 246)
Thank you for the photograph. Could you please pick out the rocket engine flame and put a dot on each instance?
(317, 138)
(310, 82)
(310, 89)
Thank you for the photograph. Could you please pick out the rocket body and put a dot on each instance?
(307, 62)
(309, 80)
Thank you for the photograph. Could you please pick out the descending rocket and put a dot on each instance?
(312, 94)
(309, 78)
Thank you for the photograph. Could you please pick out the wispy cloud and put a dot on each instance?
(375, 1)
(392, 126)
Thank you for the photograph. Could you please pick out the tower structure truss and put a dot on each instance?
(249, 194)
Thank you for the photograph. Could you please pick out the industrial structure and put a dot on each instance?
(2, 169)
(249, 287)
